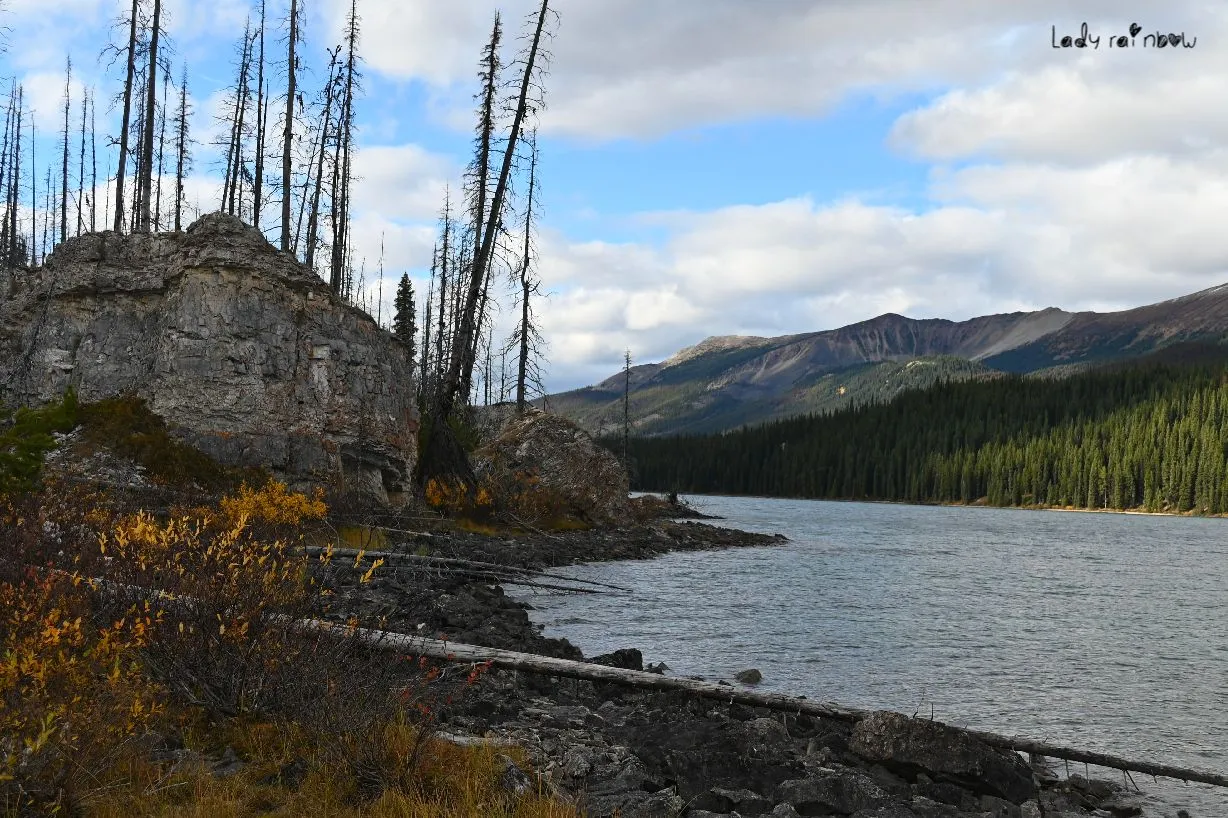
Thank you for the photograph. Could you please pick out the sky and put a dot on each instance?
(758, 167)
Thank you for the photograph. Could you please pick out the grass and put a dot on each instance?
(448, 781)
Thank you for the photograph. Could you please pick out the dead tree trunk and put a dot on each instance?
(15, 185)
(93, 162)
(151, 107)
(643, 680)
(157, 217)
(126, 122)
(526, 283)
(288, 132)
(313, 212)
(262, 102)
(462, 358)
(64, 169)
(85, 104)
(181, 149)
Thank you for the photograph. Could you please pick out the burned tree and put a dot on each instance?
(64, 169)
(85, 104)
(464, 347)
(342, 177)
(151, 106)
(125, 123)
(262, 103)
(313, 210)
(292, 40)
(234, 145)
(527, 338)
(182, 157)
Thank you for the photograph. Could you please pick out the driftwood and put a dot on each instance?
(457, 565)
(546, 665)
(550, 666)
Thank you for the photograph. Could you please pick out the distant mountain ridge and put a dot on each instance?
(725, 382)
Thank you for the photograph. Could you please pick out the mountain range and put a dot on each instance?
(725, 382)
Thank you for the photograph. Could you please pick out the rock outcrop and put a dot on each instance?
(243, 351)
(564, 460)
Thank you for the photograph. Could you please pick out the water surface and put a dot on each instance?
(1102, 631)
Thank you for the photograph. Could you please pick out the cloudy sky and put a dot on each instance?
(763, 167)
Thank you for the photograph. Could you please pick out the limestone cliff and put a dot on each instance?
(241, 349)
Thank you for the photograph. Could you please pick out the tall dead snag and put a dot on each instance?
(166, 82)
(181, 148)
(126, 122)
(460, 368)
(151, 108)
(4, 161)
(85, 104)
(527, 337)
(93, 162)
(313, 211)
(342, 177)
(15, 187)
(234, 146)
(262, 102)
(288, 132)
(64, 169)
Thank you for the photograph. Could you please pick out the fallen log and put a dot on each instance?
(398, 556)
(550, 666)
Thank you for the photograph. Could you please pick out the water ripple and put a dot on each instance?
(1108, 632)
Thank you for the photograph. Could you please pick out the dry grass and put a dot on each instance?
(448, 781)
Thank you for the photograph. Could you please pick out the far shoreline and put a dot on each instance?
(974, 504)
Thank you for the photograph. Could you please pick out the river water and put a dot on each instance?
(1106, 632)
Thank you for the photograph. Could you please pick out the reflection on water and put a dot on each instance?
(1103, 631)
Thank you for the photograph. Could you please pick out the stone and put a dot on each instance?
(243, 351)
(749, 677)
(564, 461)
(842, 791)
(514, 780)
(910, 745)
(626, 658)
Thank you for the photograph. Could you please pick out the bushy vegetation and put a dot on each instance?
(1151, 435)
(135, 649)
(26, 435)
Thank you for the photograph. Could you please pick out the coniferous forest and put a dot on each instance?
(1149, 436)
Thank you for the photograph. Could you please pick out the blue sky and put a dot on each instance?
(714, 167)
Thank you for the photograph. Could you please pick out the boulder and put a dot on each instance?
(562, 461)
(244, 352)
(910, 745)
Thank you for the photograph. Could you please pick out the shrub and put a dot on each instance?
(27, 438)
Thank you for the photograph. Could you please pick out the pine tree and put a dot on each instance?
(404, 323)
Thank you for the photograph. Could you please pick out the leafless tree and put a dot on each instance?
(262, 103)
(292, 40)
(64, 169)
(151, 106)
(342, 174)
(93, 100)
(183, 157)
(321, 150)
(125, 123)
(85, 104)
(234, 145)
(527, 337)
(460, 367)
(166, 83)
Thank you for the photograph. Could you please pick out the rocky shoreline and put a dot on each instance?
(639, 754)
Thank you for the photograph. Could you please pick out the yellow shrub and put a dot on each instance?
(71, 691)
(273, 504)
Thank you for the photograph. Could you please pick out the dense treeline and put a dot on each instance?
(1150, 436)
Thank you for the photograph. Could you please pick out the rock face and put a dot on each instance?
(243, 351)
(564, 459)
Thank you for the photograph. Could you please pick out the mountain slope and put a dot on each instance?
(728, 381)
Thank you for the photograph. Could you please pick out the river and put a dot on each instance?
(1101, 631)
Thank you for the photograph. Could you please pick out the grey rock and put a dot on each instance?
(750, 676)
(843, 791)
(743, 802)
(244, 352)
(514, 779)
(911, 745)
(566, 462)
